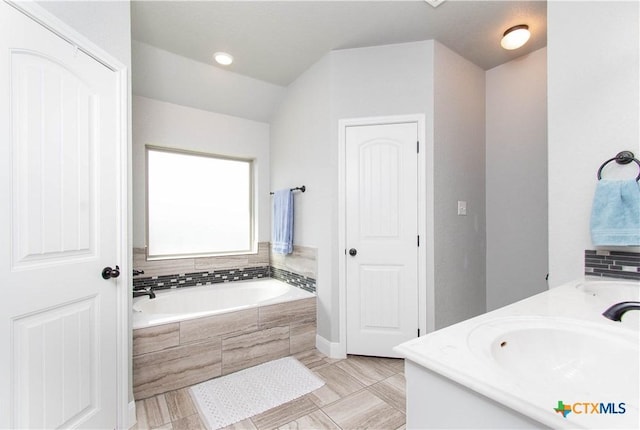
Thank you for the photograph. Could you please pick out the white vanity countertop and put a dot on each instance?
(580, 355)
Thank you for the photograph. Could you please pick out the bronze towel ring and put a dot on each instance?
(624, 157)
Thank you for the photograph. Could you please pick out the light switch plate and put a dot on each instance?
(462, 207)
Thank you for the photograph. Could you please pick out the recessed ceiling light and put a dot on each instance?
(515, 37)
(223, 58)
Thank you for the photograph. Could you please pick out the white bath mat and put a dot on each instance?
(232, 398)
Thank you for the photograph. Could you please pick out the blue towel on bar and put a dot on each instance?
(282, 220)
(615, 216)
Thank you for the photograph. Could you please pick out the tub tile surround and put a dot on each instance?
(612, 264)
(302, 337)
(155, 338)
(235, 340)
(193, 351)
(303, 261)
(301, 312)
(177, 367)
(298, 269)
(174, 267)
(251, 349)
(198, 329)
(195, 279)
(304, 282)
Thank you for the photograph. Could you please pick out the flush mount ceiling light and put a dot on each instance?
(435, 3)
(515, 37)
(223, 58)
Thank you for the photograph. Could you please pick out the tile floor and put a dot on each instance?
(360, 392)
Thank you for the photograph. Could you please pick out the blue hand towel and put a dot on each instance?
(615, 216)
(282, 220)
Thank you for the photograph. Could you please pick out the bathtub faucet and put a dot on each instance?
(144, 291)
(615, 312)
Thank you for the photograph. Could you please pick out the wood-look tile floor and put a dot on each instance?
(360, 392)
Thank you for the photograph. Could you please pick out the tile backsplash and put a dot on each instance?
(298, 269)
(612, 264)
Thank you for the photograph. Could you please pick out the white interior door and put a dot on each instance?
(381, 176)
(59, 184)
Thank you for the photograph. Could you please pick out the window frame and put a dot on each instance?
(253, 218)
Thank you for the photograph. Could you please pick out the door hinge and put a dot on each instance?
(418, 240)
(418, 332)
(418, 147)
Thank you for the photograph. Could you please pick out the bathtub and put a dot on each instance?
(192, 334)
(186, 303)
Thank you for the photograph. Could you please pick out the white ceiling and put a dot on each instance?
(276, 41)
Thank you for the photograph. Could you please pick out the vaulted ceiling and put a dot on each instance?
(275, 41)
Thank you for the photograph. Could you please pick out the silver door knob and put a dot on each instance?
(353, 252)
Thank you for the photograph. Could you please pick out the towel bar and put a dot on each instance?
(624, 157)
(302, 188)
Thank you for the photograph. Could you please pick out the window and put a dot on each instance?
(198, 204)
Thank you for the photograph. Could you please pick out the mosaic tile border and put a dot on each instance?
(303, 282)
(195, 279)
(612, 264)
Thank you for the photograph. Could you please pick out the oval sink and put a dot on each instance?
(549, 352)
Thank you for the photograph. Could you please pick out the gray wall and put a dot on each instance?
(593, 87)
(516, 163)
(377, 81)
(459, 174)
(165, 76)
(304, 142)
(302, 154)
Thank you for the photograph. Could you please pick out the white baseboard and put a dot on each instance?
(132, 414)
(331, 349)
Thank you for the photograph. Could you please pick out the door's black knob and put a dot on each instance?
(353, 252)
(108, 272)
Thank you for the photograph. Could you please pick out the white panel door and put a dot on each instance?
(381, 237)
(59, 184)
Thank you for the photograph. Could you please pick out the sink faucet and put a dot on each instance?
(144, 291)
(615, 312)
